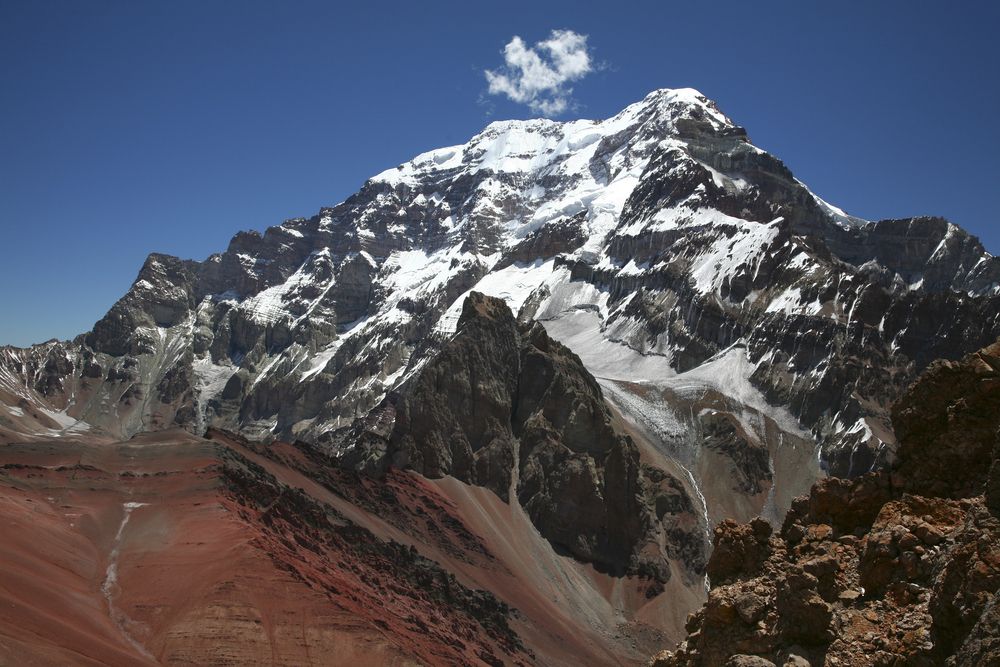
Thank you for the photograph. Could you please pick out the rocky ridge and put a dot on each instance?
(504, 406)
(891, 568)
(726, 336)
(663, 232)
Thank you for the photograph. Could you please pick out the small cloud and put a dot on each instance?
(539, 76)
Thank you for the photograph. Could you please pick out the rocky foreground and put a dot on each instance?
(892, 568)
(486, 410)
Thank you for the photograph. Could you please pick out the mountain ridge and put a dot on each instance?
(664, 222)
(594, 340)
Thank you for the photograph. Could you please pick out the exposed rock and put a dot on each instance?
(981, 647)
(948, 421)
(738, 549)
(707, 243)
(501, 404)
(748, 661)
(805, 618)
(455, 419)
(750, 466)
(968, 581)
(866, 572)
(794, 660)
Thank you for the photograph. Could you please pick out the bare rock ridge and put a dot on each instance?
(553, 357)
(503, 405)
(891, 568)
(661, 233)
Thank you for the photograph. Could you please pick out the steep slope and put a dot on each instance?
(504, 406)
(661, 236)
(173, 549)
(100, 536)
(899, 568)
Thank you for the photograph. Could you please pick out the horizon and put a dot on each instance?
(159, 153)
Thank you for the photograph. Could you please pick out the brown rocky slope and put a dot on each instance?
(892, 568)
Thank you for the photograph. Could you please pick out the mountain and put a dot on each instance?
(891, 568)
(623, 331)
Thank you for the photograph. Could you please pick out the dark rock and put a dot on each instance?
(866, 572)
(502, 398)
(738, 550)
(805, 617)
(949, 421)
(981, 647)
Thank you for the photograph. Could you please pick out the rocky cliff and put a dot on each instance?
(504, 406)
(891, 568)
(681, 332)
(657, 239)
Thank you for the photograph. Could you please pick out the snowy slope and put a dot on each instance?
(651, 241)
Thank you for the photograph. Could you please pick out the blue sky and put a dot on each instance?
(131, 127)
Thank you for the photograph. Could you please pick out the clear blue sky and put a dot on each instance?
(131, 127)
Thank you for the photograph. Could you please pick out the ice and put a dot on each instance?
(729, 373)
(210, 378)
(60, 417)
(838, 215)
(580, 330)
(727, 255)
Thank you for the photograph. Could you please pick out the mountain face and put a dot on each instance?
(626, 329)
(891, 568)
(504, 406)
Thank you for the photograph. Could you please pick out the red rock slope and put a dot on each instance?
(172, 549)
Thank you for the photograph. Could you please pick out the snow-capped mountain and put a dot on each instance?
(750, 332)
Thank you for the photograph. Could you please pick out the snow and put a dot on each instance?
(727, 255)
(110, 586)
(521, 176)
(210, 378)
(786, 302)
(729, 373)
(538, 149)
(318, 361)
(580, 330)
(271, 305)
(838, 215)
(512, 283)
(414, 273)
(942, 246)
(368, 258)
(60, 417)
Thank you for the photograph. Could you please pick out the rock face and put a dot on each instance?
(503, 405)
(892, 568)
(662, 236)
(697, 336)
(948, 420)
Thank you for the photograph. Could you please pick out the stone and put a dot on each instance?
(748, 661)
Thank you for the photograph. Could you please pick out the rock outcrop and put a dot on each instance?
(504, 406)
(949, 423)
(747, 335)
(680, 237)
(892, 568)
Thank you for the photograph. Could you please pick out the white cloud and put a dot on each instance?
(538, 75)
